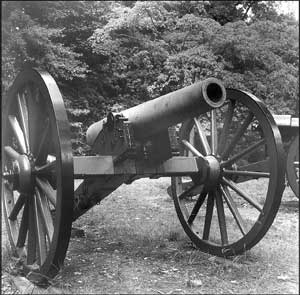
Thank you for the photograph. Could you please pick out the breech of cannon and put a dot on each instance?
(151, 117)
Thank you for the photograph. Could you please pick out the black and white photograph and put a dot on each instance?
(150, 147)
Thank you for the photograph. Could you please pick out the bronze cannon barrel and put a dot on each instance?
(155, 115)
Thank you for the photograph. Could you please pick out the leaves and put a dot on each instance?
(107, 53)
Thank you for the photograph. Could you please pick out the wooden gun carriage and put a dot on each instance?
(289, 129)
(223, 216)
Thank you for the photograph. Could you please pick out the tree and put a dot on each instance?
(115, 54)
(159, 47)
(250, 11)
(25, 40)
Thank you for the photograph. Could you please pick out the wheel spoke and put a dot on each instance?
(40, 234)
(18, 132)
(31, 245)
(186, 193)
(47, 189)
(213, 131)
(23, 227)
(242, 194)
(17, 207)
(49, 167)
(252, 174)
(241, 154)
(196, 189)
(237, 136)
(44, 210)
(226, 126)
(203, 138)
(233, 208)
(177, 181)
(221, 217)
(208, 215)
(192, 149)
(23, 112)
(260, 166)
(33, 114)
(191, 140)
(197, 207)
(41, 154)
(186, 185)
(11, 152)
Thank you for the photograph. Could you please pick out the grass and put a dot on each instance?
(7, 262)
(134, 243)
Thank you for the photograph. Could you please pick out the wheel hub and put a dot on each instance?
(22, 168)
(214, 171)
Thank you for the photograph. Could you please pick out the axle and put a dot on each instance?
(102, 176)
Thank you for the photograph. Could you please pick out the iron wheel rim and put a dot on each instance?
(40, 92)
(274, 190)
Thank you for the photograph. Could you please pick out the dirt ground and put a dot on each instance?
(133, 243)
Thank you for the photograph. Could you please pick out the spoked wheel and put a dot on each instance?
(37, 170)
(229, 210)
(292, 166)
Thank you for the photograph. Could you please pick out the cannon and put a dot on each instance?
(233, 201)
(289, 129)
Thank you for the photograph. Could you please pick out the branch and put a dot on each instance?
(128, 36)
(152, 21)
(247, 10)
(184, 40)
(157, 32)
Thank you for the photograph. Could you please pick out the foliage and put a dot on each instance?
(115, 54)
(159, 49)
(249, 11)
(26, 40)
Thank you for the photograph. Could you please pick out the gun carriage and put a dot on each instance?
(222, 216)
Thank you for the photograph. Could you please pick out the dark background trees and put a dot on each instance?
(113, 54)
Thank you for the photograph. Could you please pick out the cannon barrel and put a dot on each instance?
(158, 114)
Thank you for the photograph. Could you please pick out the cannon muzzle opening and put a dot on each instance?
(213, 92)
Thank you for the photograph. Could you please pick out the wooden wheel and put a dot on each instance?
(230, 209)
(292, 166)
(37, 169)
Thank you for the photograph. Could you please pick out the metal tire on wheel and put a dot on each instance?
(37, 173)
(292, 166)
(242, 147)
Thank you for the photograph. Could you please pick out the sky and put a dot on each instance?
(290, 7)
